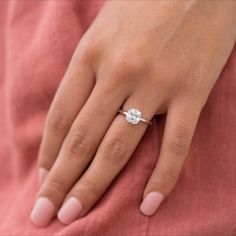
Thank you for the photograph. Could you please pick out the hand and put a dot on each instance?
(155, 56)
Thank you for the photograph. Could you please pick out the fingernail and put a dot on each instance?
(42, 212)
(151, 202)
(42, 175)
(70, 211)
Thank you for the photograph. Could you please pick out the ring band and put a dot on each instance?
(134, 116)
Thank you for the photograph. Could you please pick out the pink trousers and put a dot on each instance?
(37, 39)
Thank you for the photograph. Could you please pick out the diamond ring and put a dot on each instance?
(133, 116)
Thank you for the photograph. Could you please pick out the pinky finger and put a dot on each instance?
(182, 117)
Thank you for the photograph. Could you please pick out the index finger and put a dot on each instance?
(73, 91)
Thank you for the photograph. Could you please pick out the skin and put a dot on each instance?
(156, 56)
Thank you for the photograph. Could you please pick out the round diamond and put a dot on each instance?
(133, 116)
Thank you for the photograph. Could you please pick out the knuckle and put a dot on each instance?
(195, 84)
(178, 145)
(55, 185)
(77, 142)
(91, 187)
(125, 65)
(88, 48)
(45, 159)
(180, 141)
(115, 150)
(57, 120)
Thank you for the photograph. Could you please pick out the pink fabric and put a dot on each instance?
(37, 39)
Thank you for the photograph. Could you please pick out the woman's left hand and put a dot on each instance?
(155, 56)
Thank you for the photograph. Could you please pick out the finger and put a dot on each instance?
(112, 155)
(181, 121)
(74, 90)
(78, 148)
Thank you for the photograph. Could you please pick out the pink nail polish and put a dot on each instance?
(42, 212)
(151, 202)
(70, 211)
(42, 175)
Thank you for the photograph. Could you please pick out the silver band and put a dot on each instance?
(134, 116)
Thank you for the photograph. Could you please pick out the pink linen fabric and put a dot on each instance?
(37, 39)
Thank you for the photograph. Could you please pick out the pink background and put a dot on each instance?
(37, 39)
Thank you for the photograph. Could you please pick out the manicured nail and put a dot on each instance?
(42, 212)
(42, 175)
(151, 202)
(70, 211)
